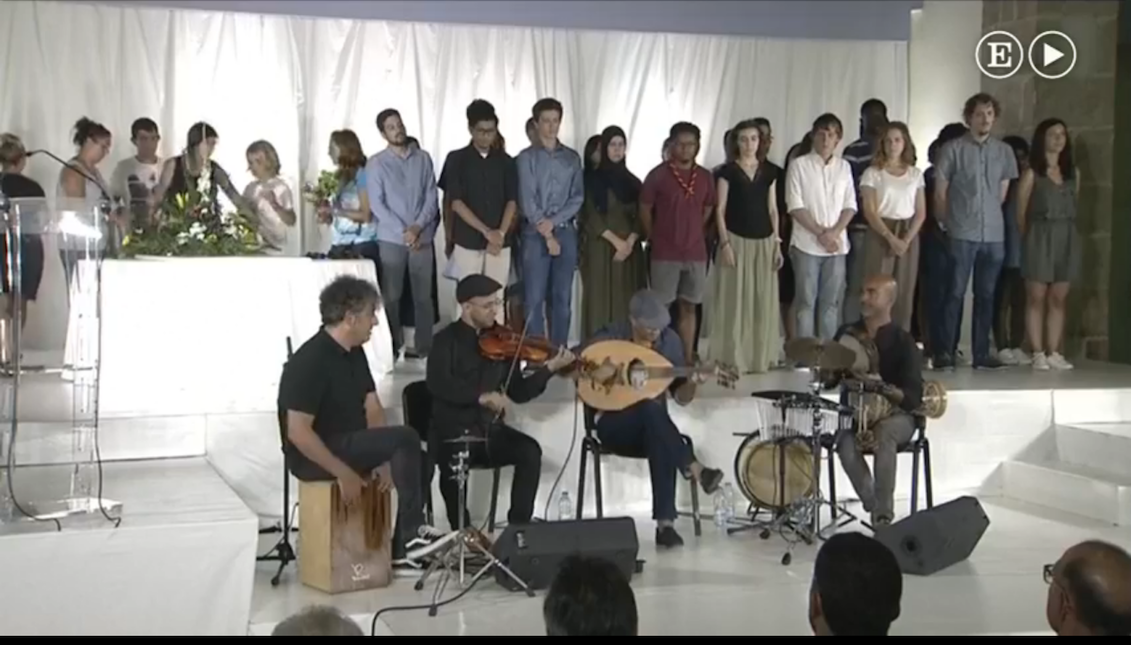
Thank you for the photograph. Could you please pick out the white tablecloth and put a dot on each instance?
(204, 335)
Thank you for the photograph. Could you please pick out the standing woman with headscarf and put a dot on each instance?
(613, 267)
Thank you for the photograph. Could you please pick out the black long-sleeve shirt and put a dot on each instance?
(458, 374)
(901, 362)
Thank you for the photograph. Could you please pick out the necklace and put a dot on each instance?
(688, 188)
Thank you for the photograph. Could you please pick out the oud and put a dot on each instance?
(616, 374)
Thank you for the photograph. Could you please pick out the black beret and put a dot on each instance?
(476, 285)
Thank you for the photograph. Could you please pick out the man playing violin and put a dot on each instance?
(901, 382)
(646, 428)
(471, 392)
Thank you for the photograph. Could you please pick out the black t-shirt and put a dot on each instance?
(901, 362)
(484, 184)
(748, 200)
(328, 381)
(19, 186)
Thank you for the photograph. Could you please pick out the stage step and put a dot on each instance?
(1082, 471)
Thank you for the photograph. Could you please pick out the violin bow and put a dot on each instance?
(514, 364)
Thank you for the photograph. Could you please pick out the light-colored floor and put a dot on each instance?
(736, 585)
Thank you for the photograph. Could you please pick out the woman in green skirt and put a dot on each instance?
(612, 260)
(744, 326)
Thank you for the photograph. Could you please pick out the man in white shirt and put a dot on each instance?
(136, 177)
(822, 200)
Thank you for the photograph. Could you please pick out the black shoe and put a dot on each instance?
(943, 362)
(710, 479)
(988, 363)
(667, 538)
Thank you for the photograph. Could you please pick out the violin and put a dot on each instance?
(501, 343)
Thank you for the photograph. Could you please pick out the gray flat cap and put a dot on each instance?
(648, 310)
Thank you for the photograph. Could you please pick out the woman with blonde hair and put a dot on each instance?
(893, 193)
(272, 199)
(15, 186)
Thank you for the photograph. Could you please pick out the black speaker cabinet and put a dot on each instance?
(936, 538)
(534, 552)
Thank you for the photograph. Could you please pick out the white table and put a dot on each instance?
(203, 335)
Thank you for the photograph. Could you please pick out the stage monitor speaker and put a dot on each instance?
(936, 538)
(534, 552)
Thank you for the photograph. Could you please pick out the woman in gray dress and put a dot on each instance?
(1050, 255)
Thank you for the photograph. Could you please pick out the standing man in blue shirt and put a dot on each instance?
(401, 184)
(550, 195)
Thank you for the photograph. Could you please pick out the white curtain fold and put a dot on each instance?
(294, 80)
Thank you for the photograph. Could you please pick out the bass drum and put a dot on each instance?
(758, 470)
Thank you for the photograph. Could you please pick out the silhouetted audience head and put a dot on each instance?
(318, 620)
(590, 597)
(1090, 591)
(857, 586)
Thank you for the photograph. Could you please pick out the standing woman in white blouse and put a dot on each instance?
(272, 199)
(895, 206)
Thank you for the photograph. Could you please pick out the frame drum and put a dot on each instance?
(758, 469)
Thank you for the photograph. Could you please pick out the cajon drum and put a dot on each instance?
(344, 548)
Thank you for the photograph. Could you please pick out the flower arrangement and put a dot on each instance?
(325, 190)
(188, 226)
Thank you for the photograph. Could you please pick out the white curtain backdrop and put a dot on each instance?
(293, 81)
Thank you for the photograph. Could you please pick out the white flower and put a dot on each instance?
(197, 230)
(182, 238)
(225, 218)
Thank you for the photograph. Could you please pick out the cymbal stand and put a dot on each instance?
(466, 541)
(802, 518)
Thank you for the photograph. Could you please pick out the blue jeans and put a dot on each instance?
(984, 259)
(548, 283)
(820, 290)
(645, 430)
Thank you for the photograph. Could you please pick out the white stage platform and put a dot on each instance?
(1050, 442)
(1004, 433)
(718, 585)
(182, 562)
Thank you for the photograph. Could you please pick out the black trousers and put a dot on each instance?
(1009, 310)
(365, 450)
(505, 446)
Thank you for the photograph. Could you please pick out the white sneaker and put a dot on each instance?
(1040, 362)
(1058, 362)
(1021, 357)
(1006, 356)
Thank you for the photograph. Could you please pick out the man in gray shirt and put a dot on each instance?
(972, 180)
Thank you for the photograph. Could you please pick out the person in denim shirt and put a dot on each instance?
(551, 191)
(353, 229)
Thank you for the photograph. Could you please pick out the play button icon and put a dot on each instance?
(1050, 54)
(1056, 57)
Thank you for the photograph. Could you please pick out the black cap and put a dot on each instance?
(476, 285)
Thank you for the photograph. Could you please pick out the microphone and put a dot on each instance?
(107, 202)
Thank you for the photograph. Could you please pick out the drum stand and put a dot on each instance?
(465, 542)
(802, 518)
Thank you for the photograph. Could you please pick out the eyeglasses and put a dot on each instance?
(1048, 575)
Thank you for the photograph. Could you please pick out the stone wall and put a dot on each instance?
(1085, 100)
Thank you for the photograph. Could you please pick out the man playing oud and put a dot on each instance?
(901, 376)
(646, 428)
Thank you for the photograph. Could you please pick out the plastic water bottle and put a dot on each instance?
(728, 501)
(720, 511)
(565, 506)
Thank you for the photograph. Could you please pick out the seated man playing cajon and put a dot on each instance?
(334, 423)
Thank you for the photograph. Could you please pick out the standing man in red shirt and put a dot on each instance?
(676, 203)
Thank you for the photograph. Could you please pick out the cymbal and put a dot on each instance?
(813, 352)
